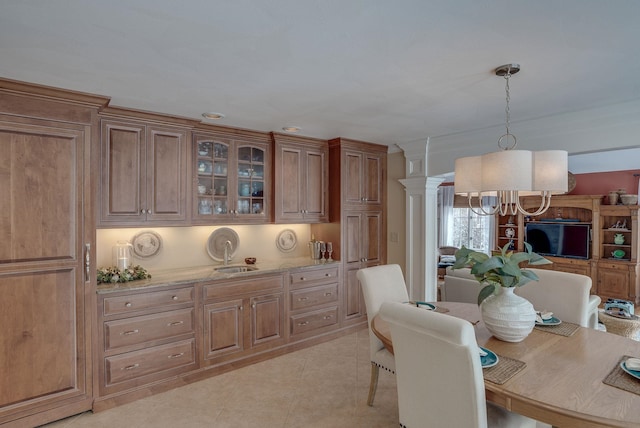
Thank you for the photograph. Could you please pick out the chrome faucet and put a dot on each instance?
(227, 252)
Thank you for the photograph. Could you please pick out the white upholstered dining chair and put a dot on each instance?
(438, 372)
(380, 284)
(565, 294)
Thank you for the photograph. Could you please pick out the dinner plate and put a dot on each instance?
(425, 305)
(488, 360)
(550, 321)
(634, 373)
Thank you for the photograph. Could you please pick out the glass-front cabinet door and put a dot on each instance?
(231, 181)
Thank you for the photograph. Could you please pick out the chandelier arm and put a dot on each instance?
(545, 203)
(482, 211)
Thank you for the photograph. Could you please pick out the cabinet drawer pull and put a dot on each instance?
(176, 355)
(303, 323)
(131, 367)
(171, 324)
(129, 332)
(174, 297)
(327, 317)
(328, 293)
(128, 304)
(302, 299)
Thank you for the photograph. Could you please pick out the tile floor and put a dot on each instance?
(322, 386)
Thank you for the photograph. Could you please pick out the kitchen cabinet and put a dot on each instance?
(144, 170)
(46, 256)
(232, 178)
(363, 183)
(242, 316)
(357, 225)
(147, 336)
(301, 179)
(313, 300)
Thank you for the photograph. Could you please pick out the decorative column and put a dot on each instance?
(421, 219)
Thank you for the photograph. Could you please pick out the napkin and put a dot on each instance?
(633, 364)
(484, 354)
(542, 316)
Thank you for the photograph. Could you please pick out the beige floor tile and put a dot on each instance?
(249, 419)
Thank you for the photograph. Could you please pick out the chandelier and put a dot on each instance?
(509, 174)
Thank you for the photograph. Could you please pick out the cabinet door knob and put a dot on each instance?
(327, 274)
(128, 304)
(174, 297)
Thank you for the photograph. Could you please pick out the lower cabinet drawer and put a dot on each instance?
(312, 320)
(143, 329)
(307, 297)
(131, 365)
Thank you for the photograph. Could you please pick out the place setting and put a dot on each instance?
(428, 306)
(625, 375)
(546, 321)
(496, 369)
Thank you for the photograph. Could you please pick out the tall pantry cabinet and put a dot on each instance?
(357, 183)
(47, 141)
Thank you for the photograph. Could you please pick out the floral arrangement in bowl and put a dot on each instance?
(113, 274)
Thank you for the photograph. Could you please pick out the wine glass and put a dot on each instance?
(323, 249)
(329, 250)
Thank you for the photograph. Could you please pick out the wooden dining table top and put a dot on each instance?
(562, 383)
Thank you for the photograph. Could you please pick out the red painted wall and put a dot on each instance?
(601, 183)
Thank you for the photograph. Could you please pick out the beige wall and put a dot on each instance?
(396, 242)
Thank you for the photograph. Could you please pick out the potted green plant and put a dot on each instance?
(508, 316)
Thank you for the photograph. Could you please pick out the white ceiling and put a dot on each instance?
(375, 70)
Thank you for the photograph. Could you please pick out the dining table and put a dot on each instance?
(560, 378)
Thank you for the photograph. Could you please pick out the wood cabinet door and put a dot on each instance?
(353, 185)
(45, 363)
(290, 190)
(613, 282)
(123, 172)
(316, 183)
(372, 179)
(372, 237)
(267, 319)
(166, 174)
(223, 328)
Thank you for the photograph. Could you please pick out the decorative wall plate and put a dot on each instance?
(146, 244)
(510, 232)
(286, 240)
(215, 243)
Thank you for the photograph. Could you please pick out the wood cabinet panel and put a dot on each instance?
(310, 321)
(144, 168)
(223, 328)
(133, 365)
(139, 330)
(301, 179)
(267, 319)
(129, 303)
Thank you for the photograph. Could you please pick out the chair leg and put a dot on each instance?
(373, 384)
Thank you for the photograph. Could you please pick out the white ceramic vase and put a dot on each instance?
(508, 316)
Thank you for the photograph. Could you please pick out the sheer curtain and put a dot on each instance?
(445, 212)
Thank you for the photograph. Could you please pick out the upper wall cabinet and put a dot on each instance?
(363, 178)
(301, 179)
(144, 173)
(232, 177)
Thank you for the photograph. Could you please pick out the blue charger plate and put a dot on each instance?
(488, 360)
(634, 373)
(550, 321)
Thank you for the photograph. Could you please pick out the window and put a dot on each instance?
(461, 226)
(471, 230)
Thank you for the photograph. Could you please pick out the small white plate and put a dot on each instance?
(550, 321)
(488, 360)
(634, 373)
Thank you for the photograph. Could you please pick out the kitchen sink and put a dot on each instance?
(235, 269)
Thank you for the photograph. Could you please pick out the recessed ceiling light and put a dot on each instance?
(213, 115)
(291, 129)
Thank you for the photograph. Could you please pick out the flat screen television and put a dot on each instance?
(559, 239)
